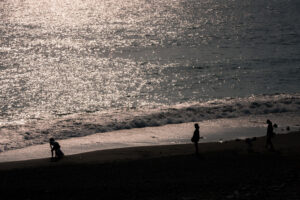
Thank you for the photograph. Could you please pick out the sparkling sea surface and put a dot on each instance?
(61, 57)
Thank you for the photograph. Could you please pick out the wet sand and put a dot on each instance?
(222, 171)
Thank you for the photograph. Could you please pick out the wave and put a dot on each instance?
(14, 136)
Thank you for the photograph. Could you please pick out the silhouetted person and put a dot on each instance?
(270, 135)
(55, 147)
(196, 137)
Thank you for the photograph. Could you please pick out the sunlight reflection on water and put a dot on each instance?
(60, 57)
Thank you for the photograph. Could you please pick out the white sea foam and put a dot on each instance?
(217, 130)
(102, 66)
(15, 136)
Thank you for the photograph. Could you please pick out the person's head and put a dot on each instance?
(51, 140)
(269, 122)
(196, 126)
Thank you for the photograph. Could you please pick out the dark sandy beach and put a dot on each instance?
(222, 171)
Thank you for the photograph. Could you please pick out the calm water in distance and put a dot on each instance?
(62, 56)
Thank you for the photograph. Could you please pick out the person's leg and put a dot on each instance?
(196, 147)
(268, 143)
(271, 145)
(59, 154)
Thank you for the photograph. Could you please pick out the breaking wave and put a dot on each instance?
(19, 135)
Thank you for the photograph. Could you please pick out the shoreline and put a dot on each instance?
(257, 109)
(221, 171)
(156, 151)
(211, 131)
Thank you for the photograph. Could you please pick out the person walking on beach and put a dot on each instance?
(196, 137)
(55, 147)
(270, 135)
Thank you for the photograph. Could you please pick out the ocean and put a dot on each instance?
(82, 67)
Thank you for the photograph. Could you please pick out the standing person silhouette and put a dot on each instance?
(196, 137)
(55, 147)
(269, 136)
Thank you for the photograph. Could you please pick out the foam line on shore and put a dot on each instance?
(23, 134)
(211, 130)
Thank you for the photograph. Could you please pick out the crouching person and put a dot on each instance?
(55, 147)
